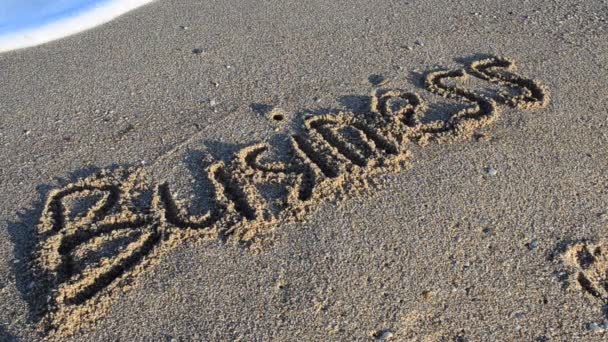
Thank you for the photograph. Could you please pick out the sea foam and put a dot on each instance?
(25, 23)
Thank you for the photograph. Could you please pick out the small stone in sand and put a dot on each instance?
(490, 171)
(594, 327)
(420, 43)
(212, 103)
(383, 335)
(198, 51)
(533, 245)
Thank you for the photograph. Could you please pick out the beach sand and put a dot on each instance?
(498, 234)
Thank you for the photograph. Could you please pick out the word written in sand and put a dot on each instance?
(97, 234)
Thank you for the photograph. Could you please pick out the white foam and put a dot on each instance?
(67, 25)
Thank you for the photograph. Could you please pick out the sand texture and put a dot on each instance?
(310, 171)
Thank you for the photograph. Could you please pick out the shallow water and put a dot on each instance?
(25, 23)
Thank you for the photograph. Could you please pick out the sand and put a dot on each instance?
(264, 171)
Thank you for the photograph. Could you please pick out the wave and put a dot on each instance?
(27, 23)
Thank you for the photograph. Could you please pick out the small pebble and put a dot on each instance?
(420, 43)
(228, 66)
(491, 171)
(198, 51)
(26, 131)
(533, 245)
(184, 27)
(212, 103)
(594, 327)
(383, 335)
